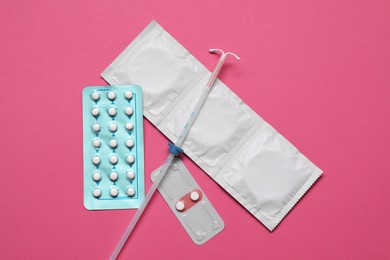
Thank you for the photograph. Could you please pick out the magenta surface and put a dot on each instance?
(317, 71)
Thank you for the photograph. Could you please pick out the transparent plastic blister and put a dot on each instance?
(189, 203)
(228, 140)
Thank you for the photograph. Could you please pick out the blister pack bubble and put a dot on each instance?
(113, 147)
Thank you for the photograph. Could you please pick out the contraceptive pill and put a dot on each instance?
(113, 176)
(130, 192)
(114, 192)
(129, 143)
(130, 175)
(97, 192)
(128, 94)
(96, 176)
(130, 159)
(95, 96)
(113, 127)
(95, 111)
(129, 126)
(113, 159)
(96, 142)
(96, 159)
(113, 143)
(111, 95)
(112, 111)
(180, 206)
(96, 127)
(129, 111)
(113, 147)
(195, 196)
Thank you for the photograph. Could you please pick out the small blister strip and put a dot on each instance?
(113, 147)
(189, 204)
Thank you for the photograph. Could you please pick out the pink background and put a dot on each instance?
(318, 71)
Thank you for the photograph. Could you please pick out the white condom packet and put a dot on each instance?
(228, 140)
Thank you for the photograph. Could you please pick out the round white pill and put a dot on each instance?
(95, 96)
(130, 192)
(96, 159)
(96, 127)
(113, 159)
(113, 176)
(194, 196)
(111, 95)
(96, 142)
(129, 125)
(128, 94)
(130, 158)
(129, 111)
(114, 192)
(96, 176)
(113, 143)
(180, 205)
(130, 175)
(112, 111)
(97, 192)
(129, 143)
(95, 111)
(113, 127)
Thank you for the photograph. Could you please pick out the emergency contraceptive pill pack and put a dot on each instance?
(244, 154)
(189, 203)
(113, 147)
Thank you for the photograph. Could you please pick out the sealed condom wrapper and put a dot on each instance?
(113, 147)
(244, 154)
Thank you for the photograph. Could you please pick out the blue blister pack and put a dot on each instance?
(113, 147)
